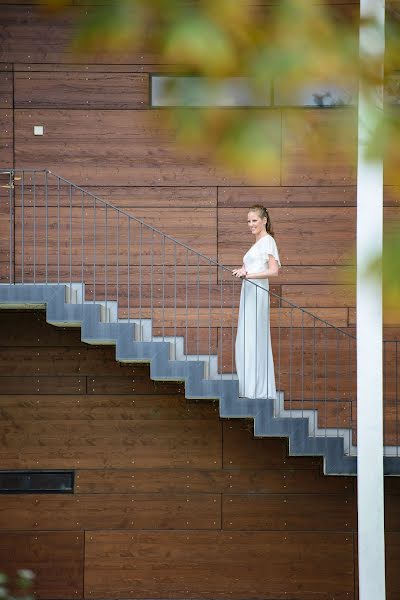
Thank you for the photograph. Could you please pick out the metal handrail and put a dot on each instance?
(314, 360)
(192, 250)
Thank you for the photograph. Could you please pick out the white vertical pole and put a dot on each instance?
(371, 534)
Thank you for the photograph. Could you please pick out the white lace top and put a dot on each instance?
(256, 258)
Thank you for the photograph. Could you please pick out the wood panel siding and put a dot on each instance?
(29, 36)
(6, 89)
(303, 237)
(177, 197)
(133, 147)
(160, 481)
(111, 511)
(118, 148)
(55, 557)
(334, 163)
(205, 564)
(100, 90)
(170, 501)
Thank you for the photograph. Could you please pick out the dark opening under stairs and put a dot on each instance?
(93, 266)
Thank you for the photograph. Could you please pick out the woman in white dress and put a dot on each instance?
(254, 360)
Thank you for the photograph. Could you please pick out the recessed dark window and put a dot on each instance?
(27, 482)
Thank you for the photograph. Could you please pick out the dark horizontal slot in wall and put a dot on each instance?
(25, 482)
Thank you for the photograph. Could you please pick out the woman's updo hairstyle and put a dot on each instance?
(262, 212)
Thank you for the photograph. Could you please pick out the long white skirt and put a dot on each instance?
(254, 360)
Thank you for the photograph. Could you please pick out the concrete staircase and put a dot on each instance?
(65, 306)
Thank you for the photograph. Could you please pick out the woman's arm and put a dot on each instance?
(272, 271)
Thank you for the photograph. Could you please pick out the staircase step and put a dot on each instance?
(135, 344)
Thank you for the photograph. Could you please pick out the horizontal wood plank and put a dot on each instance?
(295, 512)
(47, 384)
(116, 444)
(315, 150)
(157, 565)
(287, 197)
(61, 194)
(142, 154)
(320, 295)
(99, 233)
(81, 90)
(30, 37)
(104, 408)
(105, 511)
(232, 481)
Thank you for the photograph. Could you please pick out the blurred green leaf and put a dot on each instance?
(197, 42)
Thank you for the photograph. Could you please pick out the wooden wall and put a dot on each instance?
(170, 501)
(101, 133)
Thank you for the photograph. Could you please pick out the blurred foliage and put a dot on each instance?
(19, 588)
(284, 43)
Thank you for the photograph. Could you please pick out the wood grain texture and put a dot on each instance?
(320, 295)
(243, 197)
(333, 158)
(231, 481)
(55, 558)
(81, 90)
(7, 151)
(205, 564)
(6, 90)
(303, 237)
(226, 318)
(6, 123)
(243, 451)
(134, 147)
(294, 512)
(97, 234)
(392, 571)
(47, 384)
(101, 409)
(119, 196)
(104, 511)
(29, 36)
(117, 443)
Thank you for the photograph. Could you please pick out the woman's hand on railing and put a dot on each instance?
(240, 272)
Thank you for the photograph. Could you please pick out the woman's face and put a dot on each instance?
(256, 223)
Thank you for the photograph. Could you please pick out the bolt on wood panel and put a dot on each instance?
(110, 511)
(81, 90)
(231, 481)
(122, 197)
(55, 558)
(31, 36)
(134, 147)
(243, 197)
(6, 89)
(207, 564)
(89, 443)
(288, 512)
(130, 408)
